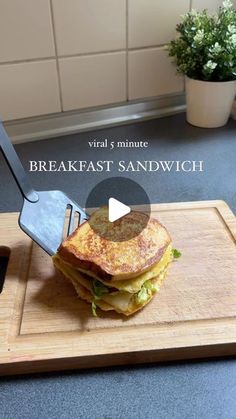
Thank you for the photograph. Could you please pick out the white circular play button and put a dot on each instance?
(122, 219)
(116, 210)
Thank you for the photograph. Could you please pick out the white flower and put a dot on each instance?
(216, 49)
(227, 4)
(233, 39)
(231, 28)
(210, 65)
(183, 16)
(198, 38)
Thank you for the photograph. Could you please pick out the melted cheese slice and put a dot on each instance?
(134, 285)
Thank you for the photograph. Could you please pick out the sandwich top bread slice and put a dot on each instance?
(115, 260)
(121, 276)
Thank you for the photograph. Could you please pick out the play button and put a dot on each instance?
(123, 218)
(117, 210)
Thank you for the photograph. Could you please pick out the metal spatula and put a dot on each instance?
(43, 213)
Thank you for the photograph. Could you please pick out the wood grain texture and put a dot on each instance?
(44, 326)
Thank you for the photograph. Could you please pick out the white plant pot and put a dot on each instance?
(209, 103)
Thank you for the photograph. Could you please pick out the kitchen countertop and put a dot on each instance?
(191, 389)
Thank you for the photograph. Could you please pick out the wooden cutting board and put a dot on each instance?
(44, 326)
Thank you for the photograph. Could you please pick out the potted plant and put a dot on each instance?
(205, 52)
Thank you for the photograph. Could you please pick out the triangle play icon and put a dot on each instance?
(116, 209)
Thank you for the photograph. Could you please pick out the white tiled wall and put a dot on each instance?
(150, 74)
(28, 89)
(25, 30)
(153, 22)
(210, 5)
(85, 26)
(60, 55)
(93, 80)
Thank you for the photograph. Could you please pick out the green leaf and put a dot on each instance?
(142, 295)
(94, 308)
(150, 286)
(176, 253)
(99, 289)
(145, 292)
(204, 38)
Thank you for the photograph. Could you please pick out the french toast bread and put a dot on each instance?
(115, 260)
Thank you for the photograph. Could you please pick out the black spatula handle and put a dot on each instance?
(16, 167)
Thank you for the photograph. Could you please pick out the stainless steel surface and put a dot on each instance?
(44, 220)
(43, 213)
(43, 127)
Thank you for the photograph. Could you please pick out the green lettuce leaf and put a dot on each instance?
(94, 307)
(142, 295)
(145, 292)
(99, 289)
(176, 253)
(150, 286)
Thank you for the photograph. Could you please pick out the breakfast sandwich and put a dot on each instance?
(116, 275)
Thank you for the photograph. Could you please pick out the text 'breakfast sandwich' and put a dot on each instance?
(116, 275)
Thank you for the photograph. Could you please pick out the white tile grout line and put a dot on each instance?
(28, 60)
(148, 47)
(56, 56)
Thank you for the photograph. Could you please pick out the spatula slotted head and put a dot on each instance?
(44, 220)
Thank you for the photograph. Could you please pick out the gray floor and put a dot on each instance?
(179, 390)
